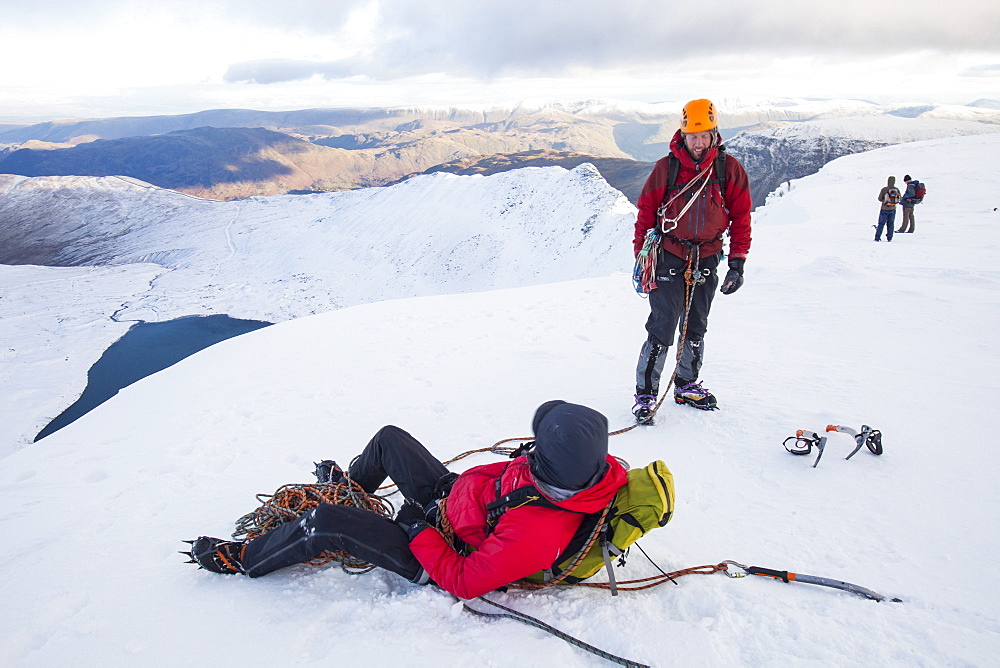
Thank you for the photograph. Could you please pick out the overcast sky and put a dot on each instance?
(91, 58)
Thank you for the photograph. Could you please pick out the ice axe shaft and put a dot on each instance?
(786, 576)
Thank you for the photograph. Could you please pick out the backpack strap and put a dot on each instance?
(605, 552)
(674, 168)
(528, 495)
(720, 173)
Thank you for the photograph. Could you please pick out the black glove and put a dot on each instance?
(411, 519)
(734, 277)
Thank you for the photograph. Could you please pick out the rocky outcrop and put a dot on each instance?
(771, 160)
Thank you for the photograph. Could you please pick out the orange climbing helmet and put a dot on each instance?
(698, 116)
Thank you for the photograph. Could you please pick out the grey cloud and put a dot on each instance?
(982, 71)
(492, 38)
(279, 70)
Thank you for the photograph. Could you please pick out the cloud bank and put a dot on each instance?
(490, 39)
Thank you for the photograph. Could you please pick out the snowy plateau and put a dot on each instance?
(452, 306)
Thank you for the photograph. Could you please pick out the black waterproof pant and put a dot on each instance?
(666, 316)
(392, 453)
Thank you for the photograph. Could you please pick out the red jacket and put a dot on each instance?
(525, 540)
(709, 217)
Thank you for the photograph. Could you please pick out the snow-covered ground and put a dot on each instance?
(55, 322)
(829, 328)
(272, 258)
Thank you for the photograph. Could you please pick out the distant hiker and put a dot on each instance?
(889, 197)
(568, 464)
(914, 195)
(693, 196)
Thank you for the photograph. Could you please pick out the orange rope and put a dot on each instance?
(290, 501)
(633, 585)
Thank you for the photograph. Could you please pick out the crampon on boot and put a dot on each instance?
(216, 555)
(643, 408)
(693, 394)
(328, 472)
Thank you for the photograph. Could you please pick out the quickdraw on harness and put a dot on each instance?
(804, 441)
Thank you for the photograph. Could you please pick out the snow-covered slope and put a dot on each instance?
(829, 328)
(55, 322)
(279, 258)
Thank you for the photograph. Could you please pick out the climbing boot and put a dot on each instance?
(328, 473)
(216, 555)
(643, 408)
(693, 394)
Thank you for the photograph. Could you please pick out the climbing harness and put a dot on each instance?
(644, 274)
(804, 441)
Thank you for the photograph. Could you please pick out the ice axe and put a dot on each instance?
(804, 441)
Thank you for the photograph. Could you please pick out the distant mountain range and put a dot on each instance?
(236, 153)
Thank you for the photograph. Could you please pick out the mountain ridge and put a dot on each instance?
(342, 149)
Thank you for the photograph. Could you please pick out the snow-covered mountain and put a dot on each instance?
(829, 328)
(306, 254)
(285, 257)
(236, 153)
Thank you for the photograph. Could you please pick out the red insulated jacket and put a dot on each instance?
(709, 217)
(525, 540)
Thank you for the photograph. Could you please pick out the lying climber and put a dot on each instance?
(569, 464)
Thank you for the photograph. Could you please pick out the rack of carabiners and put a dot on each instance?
(804, 441)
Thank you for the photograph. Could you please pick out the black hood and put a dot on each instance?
(571, 445)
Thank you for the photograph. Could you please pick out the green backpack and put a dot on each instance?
(642, 504)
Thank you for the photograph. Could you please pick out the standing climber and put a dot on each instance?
(889, 197)
(693, 196)
(913, 196)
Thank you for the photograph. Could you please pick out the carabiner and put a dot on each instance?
(742, 567)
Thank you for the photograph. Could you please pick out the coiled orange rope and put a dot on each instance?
(290, 501)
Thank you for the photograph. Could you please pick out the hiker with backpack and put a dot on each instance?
(915, 191)
(889, 196)
(692, 198)
(566, 468)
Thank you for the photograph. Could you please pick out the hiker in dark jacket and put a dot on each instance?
(693, 214)
(568, 464)
(889, 197)
(909, 201)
